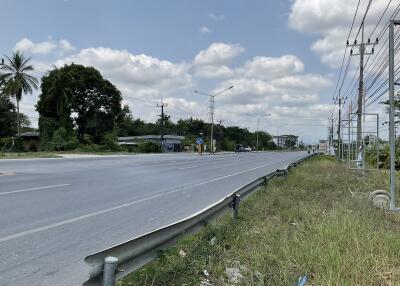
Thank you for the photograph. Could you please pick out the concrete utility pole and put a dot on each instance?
(331, 133)
(162, 105)
(339, 129)
(220, 130)
(258, 126)
(361, 52)
(212, 108)
(392, 135)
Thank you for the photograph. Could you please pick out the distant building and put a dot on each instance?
(323, 146)
(281, 140)
(30, 141)
(172, 143)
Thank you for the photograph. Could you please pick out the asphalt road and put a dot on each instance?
(55, 212)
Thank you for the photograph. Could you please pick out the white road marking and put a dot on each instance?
(96, 213)
(34, 189)
(188, 167)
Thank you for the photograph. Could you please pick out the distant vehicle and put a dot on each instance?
(239, 148)
(247, 149)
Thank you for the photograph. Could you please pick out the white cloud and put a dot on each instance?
(43, 48)
(204, 30)
(218, 53)
(180, 108)
(212, 63)
(331, 21)
(213, 72)
(302, 83)
(216, 17)
(133, 70)
(267, 67)
(65, 46)
(26, 45)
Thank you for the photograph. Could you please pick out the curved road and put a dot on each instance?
(55, 212)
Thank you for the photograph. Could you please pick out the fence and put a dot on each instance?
(370, 142)
(120, 260)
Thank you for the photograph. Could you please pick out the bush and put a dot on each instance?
(110, 142)
(10, 144)
(60, 141)
(149, 147)
(91, 148)
(6, 144)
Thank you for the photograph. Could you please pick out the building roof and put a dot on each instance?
(285, 136)
(30, 134)
(151, 137)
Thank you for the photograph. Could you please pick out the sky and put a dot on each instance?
(281, 56)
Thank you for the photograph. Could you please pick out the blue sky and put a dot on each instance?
(164, 29)
(274, 52)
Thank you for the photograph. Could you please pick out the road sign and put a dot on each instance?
(199, 141)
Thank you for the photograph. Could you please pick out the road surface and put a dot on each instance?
(55, 212)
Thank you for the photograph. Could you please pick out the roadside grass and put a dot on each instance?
(54, 154)
(316, 222)
(27, 155)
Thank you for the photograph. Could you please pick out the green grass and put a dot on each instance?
(312, 223)
(27, 155)
(54, 154)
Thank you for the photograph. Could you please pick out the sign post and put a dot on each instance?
(199, 142)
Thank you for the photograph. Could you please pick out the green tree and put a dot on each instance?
(8, 116)
(16, 74)
(80, 90)
(291, 141)
(396, 107)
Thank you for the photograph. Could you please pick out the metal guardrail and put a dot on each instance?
(120, 260)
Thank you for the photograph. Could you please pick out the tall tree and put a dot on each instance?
(18, 79)
(8, 116)
(79, 90)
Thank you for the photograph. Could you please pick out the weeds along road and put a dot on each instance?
(55, 212)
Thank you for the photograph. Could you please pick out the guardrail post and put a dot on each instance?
(110, 268)
(235, 206)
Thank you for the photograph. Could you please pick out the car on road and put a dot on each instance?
(247, 149)
(240, 148)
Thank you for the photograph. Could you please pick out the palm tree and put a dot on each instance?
(58, 92)
(17, 78)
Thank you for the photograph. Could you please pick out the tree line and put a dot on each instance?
(79, 108)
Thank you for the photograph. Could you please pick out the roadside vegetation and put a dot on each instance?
(316, 222)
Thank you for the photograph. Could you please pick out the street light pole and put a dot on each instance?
(258, 127)
(212, 106)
